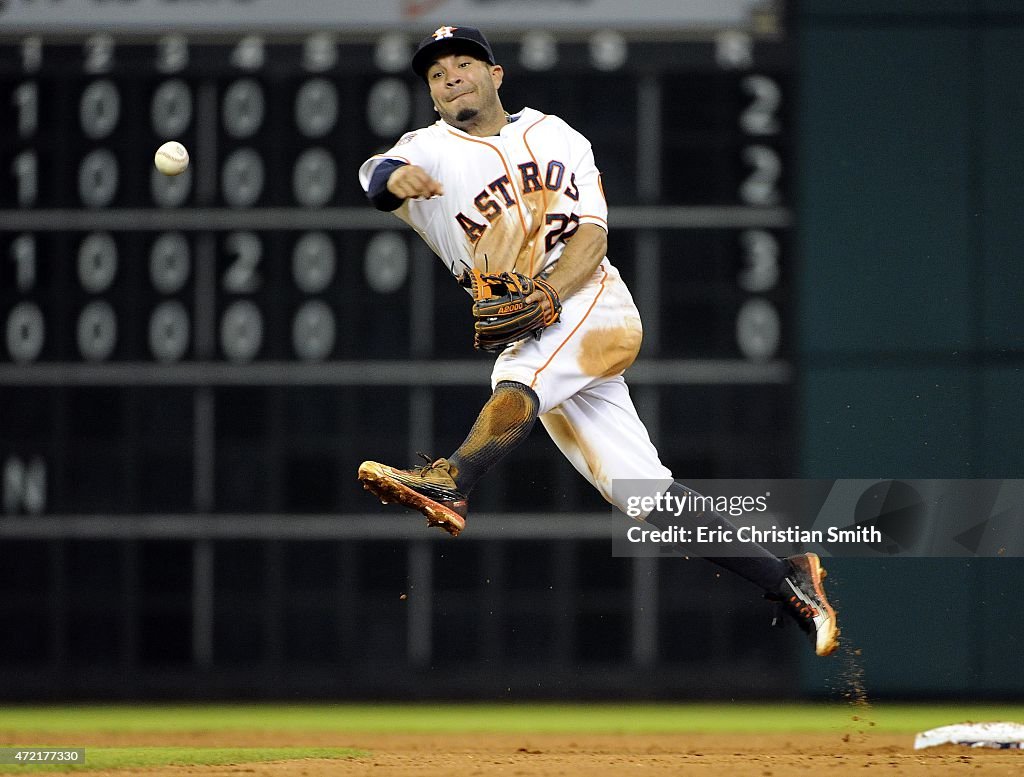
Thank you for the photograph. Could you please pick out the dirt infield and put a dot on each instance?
(526, 755)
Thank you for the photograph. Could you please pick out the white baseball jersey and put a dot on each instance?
(510, 201)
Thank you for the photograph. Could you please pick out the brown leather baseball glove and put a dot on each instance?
(502, 315)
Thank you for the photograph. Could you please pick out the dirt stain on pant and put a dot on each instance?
(565, 437)
(607, 352)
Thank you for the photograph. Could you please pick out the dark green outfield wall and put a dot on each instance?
(911, 342)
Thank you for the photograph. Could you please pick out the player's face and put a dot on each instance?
(465, 88)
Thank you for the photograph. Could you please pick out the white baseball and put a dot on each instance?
(171, 158)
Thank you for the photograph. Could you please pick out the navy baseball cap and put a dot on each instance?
(468, 39)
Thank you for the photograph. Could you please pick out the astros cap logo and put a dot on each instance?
(444, 32)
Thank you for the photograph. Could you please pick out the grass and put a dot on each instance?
(482, 718)
(24, 724)
(98, 758)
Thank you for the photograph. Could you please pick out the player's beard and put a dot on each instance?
(486, 104)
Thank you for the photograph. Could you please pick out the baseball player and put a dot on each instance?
(513, 205)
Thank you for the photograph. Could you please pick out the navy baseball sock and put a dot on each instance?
(751, 562)
(503, 423)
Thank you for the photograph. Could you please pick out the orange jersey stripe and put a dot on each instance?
(543, 191)
(561, 345)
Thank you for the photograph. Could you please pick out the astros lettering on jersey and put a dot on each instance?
(513, 198)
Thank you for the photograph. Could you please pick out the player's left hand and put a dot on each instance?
(546, 302)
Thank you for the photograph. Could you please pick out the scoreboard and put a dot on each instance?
(237, 338)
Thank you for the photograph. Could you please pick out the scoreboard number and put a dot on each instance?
(99, 109)
(99, 54)
(319, 52)
(23, 254)
(26, 176)
(386, 263)
(242, 276)
(26, 332)
(24, 486)
(761, 259)
(249, 54)
(389, 107)
(392, 53)
(26, 101)
(172, 54)
(242, 178)
(761, 116)
(170, 191)
(241, 331)
(316, 107)
(538, 51)
(169, 331)
(97, 331)
(31, 53)
(313, 330)
(97, 262)
(243, 108)
(761, 186)
(758, 330)
(314, 178)
(169, 262)
(608, 50)
(313, 262)
(170, 110)
(98, 178)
